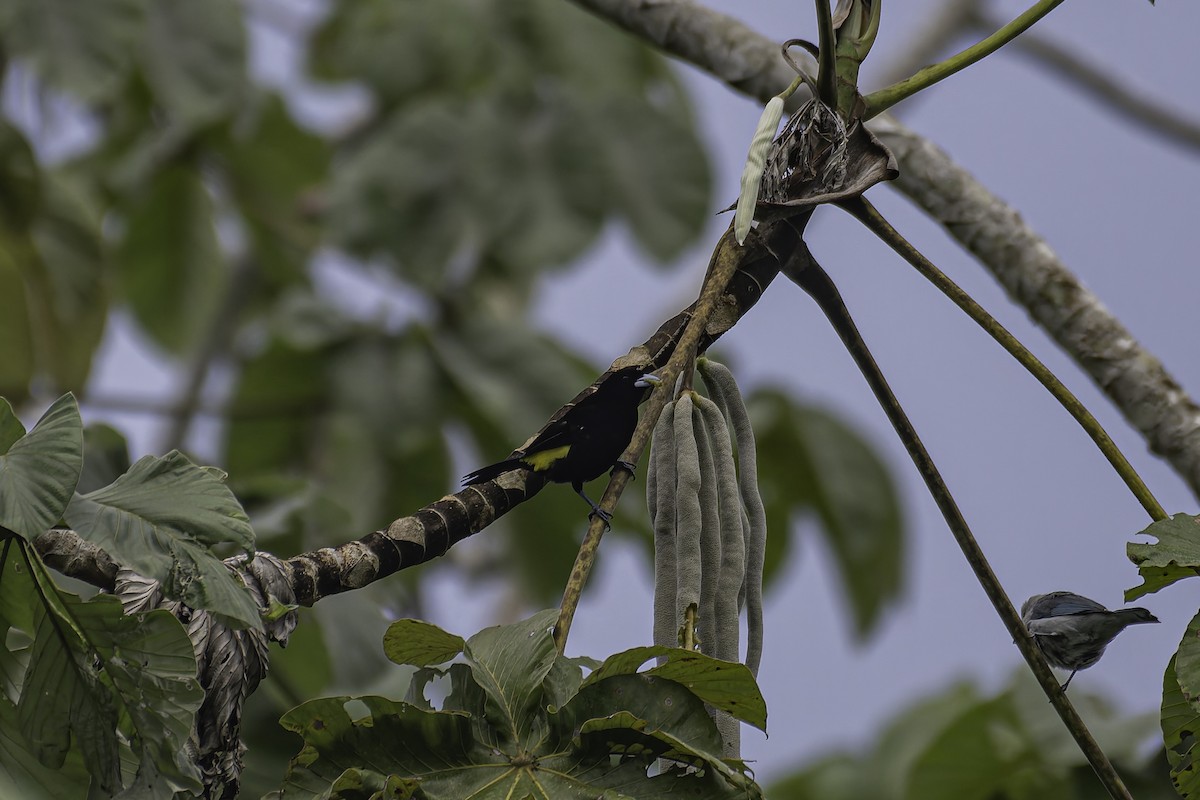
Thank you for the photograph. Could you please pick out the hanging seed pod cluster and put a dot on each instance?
(709, 528)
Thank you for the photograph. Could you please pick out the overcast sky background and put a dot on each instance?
(1121, 208)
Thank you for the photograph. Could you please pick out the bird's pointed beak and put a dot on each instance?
(647, 380)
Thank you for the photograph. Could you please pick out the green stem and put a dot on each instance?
(808, 274)
(880, 101)
(826, 62)
(865, 212)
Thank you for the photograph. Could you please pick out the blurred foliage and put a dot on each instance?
(959, 745)
(144, 171)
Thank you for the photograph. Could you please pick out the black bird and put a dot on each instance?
(1072, 631)
(583, 440)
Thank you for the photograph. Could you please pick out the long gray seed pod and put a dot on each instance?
(733, 559)
(660, 497)
(724, 391)
(712, 565)
(688, 515)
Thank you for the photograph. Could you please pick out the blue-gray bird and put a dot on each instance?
(1072, 631)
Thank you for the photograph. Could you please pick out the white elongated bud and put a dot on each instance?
(768, 124)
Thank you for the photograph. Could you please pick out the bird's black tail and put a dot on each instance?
(492, 471)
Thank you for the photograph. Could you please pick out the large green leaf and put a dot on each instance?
(393, 736)
(195, 57)
(22, 775)
(105, 457)
(497, 735)
(67, 283)
(160, 518)
(982, 754)
(169, 262)
(83, 48)
(279, 396)
(20, 187)
(1175, 556)
(39, 471)
(91, 666)
(1180, 722)
(810, 460)
(17, 366)
(722, 684)
(421, 644)
(509, 663)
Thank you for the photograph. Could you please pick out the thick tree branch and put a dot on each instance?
(1133, 379)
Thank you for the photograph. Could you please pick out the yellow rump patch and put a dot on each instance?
(542, 461)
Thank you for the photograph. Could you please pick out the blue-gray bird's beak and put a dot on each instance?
(647, 381)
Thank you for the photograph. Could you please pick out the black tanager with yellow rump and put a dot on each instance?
(585, 439)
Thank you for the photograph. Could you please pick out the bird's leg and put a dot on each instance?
(596, 511)
(630, 468)
(1069, 677)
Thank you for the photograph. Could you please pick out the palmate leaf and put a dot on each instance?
(22, 775)
(92, 667)
(160, 518)
(515, 723)
(1175, 556)
(38, 472)
(509, 663)
(722, 684)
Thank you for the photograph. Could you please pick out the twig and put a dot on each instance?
(865, 212)
(809, 275)
(884, 99)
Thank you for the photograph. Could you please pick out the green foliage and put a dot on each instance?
(811, 461)
(171, 268)
(86, 49)
(496, 134)
(958, 745)
(53, 297)
(1175, 556)
(160, 519)
(1180, 718)
(93, 682)
(520, 719)
(39, 470)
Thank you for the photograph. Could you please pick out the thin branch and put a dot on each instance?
(866, 213)
(809, 275)
(884, 99)
(1106, 88)
(1150, 399)
(1020, 260)
(941, 28)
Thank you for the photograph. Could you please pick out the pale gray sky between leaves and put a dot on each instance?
(1118, 205)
